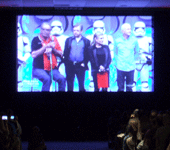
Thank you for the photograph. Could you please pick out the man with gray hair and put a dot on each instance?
(126, 52)
(45, 48)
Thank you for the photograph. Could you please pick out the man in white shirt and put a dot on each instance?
(126, 52)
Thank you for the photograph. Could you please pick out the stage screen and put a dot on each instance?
(142, 31)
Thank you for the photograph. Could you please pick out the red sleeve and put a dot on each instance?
(57, 45)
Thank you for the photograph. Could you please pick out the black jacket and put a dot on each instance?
(93, 57)
(68, 48)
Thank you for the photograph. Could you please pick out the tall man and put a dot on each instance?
(76, 57)
(126, 52)
(45, 48)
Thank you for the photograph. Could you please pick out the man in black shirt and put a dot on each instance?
(45, 48)
(75, 57)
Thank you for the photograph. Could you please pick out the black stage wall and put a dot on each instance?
(79, 116)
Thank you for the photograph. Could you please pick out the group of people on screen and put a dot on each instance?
(61, 59)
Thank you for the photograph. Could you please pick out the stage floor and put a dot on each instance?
(97, 145)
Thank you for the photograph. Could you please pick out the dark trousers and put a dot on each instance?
(121, 80)
(45, 77)
(71, 71)
(94, 74)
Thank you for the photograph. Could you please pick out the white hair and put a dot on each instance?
(45, 23)
(124, 26)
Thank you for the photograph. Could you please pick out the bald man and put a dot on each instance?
(45, 48)
(126, 52)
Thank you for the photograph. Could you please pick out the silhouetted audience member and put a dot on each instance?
(163, 133)
(168, 148)
(149, 141)
(160, 118)
(4, 133)
(36, 141)
(15, 143)
(153, 114)
(133, 133)
(124, 121)
(113, 128)
(19, 130)
(143, 117)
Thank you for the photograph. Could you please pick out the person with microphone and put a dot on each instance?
(45, 48)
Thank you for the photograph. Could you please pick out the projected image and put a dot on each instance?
(85, 53)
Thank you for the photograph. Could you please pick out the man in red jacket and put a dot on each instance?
(45, 48)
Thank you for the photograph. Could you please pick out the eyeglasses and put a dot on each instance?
(46, 29)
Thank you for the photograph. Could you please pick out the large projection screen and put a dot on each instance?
(28, 27)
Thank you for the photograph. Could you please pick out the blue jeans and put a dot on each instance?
(45, 77)
(121, 80)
